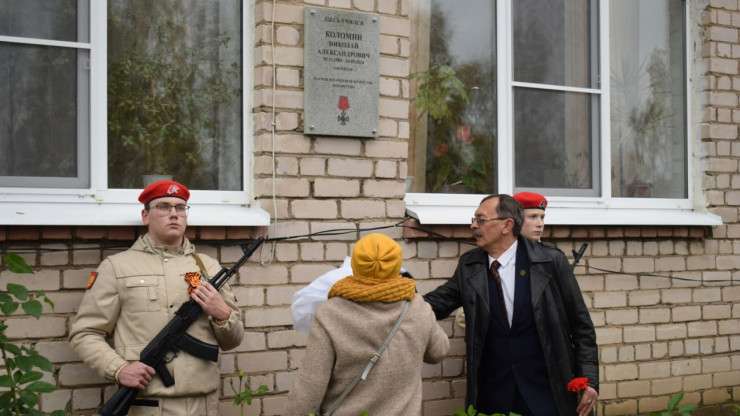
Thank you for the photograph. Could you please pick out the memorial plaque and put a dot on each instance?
(341, 72)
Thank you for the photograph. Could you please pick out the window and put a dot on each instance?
(584, 101)
(44, 94)
(96, 95)
(648, 99)
(555, 97)
(455, 149)
(175, 92)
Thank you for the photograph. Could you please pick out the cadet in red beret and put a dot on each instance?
(534, 214)
(129, 299)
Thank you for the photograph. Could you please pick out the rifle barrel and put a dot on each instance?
(577, 255)
(225, 274)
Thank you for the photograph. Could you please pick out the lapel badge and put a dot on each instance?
(193, 279)
(522, 272)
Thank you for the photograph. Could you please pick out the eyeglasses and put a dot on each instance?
(481, 220)
(165, 209)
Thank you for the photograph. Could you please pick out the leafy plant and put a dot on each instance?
(684, 410)
(243, 393)
(459, 147)
(21, 378)
(460, 160)
(438, 87)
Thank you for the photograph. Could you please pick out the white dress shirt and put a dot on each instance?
(507, 271)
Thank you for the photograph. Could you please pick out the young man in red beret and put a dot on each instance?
(134, 294)
(534, 214)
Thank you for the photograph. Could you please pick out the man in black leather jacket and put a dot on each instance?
(520, 358)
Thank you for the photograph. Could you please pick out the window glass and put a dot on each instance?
(454, 137)
(174, 92)
(39, 92)
(554, 146)
(553, 42)
(44, 94)
(43, 19)
(648, 99)
(555, 134)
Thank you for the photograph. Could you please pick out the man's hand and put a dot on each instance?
(136, 375)
(211, 301)
(588, 401)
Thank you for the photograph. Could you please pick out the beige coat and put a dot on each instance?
(343, 336)
(135, 295)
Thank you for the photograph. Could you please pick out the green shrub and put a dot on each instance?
(684, 410)
(21, 362)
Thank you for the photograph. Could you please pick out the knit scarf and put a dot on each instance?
(368, 289)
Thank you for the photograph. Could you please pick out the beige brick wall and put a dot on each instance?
(667, 310)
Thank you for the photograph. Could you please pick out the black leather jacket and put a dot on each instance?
(563, 323)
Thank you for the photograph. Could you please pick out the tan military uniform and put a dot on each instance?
(134, 296)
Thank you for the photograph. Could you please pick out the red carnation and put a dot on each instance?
(578, 384)
(441, 149)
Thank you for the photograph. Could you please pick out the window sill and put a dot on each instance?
(460, 212)
(115, 214)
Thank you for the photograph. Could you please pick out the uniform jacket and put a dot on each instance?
(343, 337)
(563, 323)
(134, 296)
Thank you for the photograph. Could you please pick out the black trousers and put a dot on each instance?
(518, 406)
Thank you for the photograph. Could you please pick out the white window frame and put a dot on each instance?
(432, 209)
(100, 205)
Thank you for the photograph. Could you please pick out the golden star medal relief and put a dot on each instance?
(522, 272)
(193, 278)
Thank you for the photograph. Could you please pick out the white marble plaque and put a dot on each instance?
(341, 72)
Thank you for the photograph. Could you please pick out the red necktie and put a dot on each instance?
(494, 269)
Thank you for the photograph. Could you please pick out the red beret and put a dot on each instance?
(162, 189)
(531, 200)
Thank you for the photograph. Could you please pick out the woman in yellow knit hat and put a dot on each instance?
(350, 327)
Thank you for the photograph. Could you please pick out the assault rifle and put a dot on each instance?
(577, 255)
(173, 338)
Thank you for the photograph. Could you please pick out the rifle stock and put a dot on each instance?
(120, 402)
(169, 339)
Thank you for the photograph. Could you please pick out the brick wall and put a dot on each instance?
(665, 300)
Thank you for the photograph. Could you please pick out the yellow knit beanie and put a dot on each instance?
(376, 264)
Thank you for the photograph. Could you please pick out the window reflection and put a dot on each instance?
(454, 152)
(553, 139)
(648, 134)
(174, 93)
(554, 42)
(555, 130)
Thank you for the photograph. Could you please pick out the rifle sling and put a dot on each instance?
(145, 402)
(201, 266)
